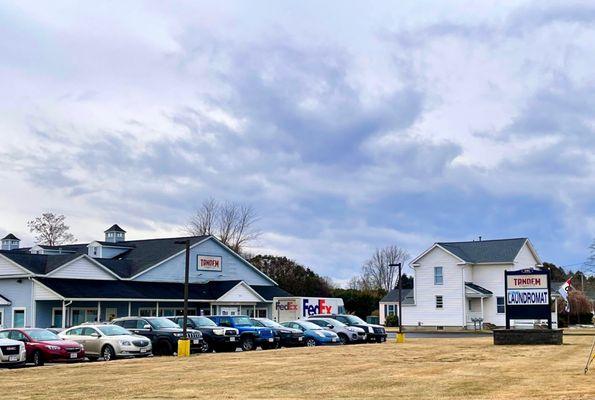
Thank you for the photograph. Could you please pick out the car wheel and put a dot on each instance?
(38, 359)
(206, 347)
(163, 348)
(343, 338)
(248, 343)
(108, 353)
(310, 342)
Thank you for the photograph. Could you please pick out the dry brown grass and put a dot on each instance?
(419, 369)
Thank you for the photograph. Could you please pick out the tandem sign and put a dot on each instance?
(527, 295)
(208, 263)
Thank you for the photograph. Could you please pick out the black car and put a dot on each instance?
(288, 337)
(376, 333)
(163, 333)
(214, 337)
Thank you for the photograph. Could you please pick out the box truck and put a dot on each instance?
(292, 308)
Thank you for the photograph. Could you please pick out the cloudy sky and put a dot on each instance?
(348, 126)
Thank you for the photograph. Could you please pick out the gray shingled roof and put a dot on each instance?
(114, 228)
(393, 296)
(478, 288)
(486, 251)
(39, 263)
(10, 236)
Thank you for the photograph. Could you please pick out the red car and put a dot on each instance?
(43, 345)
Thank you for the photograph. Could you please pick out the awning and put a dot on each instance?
(4, 301)
(473, 290)
(105, 290)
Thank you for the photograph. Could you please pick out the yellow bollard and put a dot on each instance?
(400, 338)
(183, 348)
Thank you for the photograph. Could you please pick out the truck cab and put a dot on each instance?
(251, 336)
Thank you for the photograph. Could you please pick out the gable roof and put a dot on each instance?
(10, 236)
(268, 292)
(393, 296)
(39, 263)
(485, 251)
(114, 228)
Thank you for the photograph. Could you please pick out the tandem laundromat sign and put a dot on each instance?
(527, 294)
(209, 263)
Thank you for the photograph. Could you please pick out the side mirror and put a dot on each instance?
(95, 335)
(331, 326)
(147, 326)
(24, 340)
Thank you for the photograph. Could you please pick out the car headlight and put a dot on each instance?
(178, 334)
(370, 329)
(50, 347)
(319, 333)
(125, 343)
(219, 332)
(352, 329)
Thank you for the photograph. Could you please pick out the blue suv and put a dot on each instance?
(251, 336)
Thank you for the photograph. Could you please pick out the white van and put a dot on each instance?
(294, 308)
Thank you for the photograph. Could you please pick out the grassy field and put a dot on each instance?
(419, 369)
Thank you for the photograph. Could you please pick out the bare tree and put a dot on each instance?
(232, 223)
(378, 272)
(51, 230)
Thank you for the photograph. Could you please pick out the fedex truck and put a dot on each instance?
(292, 308)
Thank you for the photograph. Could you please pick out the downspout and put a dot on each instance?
(464, 305)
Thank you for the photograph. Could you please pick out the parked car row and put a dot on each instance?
(145, 336)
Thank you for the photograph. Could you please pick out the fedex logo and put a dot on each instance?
(320, 308)
(288, 306)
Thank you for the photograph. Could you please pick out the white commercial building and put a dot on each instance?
(456, 283)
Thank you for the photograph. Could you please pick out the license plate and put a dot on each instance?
(232, 339)
(271, 340)
(196, 341)
(12, 358)
(143, 350)
(300, 339)
(73, 355)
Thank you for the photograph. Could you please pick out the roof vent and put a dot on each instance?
(115, 234)
(480, 238)
(10, 242)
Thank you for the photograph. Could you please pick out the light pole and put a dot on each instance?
(400, 336)
(184, 343)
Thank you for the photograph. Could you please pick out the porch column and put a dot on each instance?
(481, 309)
(63, 314)
(98, 311)
(157, 310)
(130, 309)
(254, 310)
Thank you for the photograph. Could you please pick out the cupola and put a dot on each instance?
(10, 242)
(115, 234)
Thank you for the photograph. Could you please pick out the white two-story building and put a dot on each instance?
(457, 282)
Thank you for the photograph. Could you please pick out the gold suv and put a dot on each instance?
(108, 341)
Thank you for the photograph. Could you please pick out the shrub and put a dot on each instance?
(391, 320)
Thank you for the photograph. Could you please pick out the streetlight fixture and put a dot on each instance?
(183, 342)
(400, 335)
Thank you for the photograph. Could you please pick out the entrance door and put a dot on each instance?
(230, 310)
(110, 314)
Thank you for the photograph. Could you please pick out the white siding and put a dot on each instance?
(239, 294)
(425, 310)
(525, 258)
(81, 269)
(42, 293)
(7, 268)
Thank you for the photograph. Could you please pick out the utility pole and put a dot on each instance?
(184, 343)
(400, 336)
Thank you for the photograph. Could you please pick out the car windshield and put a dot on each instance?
(271, 324)
(256, 322)
(310, 325)
(354, 319)
(113, 330)
(202, 321)
(243, 321)
(334, 322)
(160, 323)
(42, 335)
